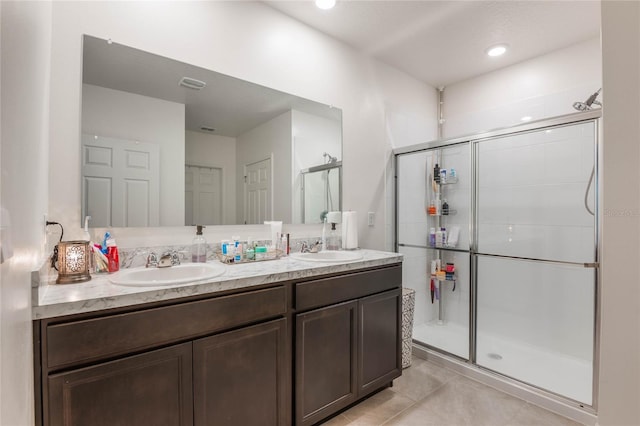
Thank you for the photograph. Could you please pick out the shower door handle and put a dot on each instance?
(594, 265)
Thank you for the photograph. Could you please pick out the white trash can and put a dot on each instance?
(408, 305)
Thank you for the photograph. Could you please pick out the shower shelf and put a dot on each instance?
(444, 247)
(449, 181)
(451, 213)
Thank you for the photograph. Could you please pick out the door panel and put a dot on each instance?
(127, 174)
(380, 341)
(326, 349)
(203, 195)
(154, 388)
(258, 192)
(531, 194)
(240, 377)
(536, 323)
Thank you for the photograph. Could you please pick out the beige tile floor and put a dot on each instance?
(428, 394)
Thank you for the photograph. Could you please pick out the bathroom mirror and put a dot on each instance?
(165, 143)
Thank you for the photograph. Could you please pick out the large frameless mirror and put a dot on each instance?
(165, 143)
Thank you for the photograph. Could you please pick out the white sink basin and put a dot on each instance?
(328, 256)
(179, 274)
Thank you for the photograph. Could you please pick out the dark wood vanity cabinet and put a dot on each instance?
(223, 360)
(348, 349)
(232, 359)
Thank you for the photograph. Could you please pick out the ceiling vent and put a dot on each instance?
(192, 83)
(207, 129)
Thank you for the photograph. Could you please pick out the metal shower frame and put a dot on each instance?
(473, 140)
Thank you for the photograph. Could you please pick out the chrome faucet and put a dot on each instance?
(169, 258)
(152, 260)
(314, 248)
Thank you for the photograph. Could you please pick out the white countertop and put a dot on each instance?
(55, 300)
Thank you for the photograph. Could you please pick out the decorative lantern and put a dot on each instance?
(73, 262)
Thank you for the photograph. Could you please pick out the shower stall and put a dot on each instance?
(499, 233)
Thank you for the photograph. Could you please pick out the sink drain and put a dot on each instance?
(495, 356)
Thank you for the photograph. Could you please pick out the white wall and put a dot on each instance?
(218, 151)
(26, 50)
(251, 41)
(620, 323)
(312, 137)
(122, 115)
(272, 139)
(545, 86)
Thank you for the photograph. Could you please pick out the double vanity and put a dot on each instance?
(289, 341)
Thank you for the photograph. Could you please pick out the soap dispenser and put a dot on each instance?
(334, 239)
(199, 247)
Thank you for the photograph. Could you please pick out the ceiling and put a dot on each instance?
(444, 42)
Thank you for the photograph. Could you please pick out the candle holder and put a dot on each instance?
(73, 262)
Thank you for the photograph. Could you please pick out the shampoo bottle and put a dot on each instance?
(199, 247)
(445, 208)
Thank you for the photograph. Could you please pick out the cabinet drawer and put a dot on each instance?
(99, 338)
(327, 291)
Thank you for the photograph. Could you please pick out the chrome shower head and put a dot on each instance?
(331, 159)
(586, 105)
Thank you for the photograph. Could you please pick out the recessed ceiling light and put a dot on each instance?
(526, 118)
(325, 4)
(497, 50)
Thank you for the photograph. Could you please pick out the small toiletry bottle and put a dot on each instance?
(237, 257)
(432, 208)
(432, 237)
(445, 208)
(112, 255)
(452, 174)
(250, 254)
(284, 244)
(436, 173)
(224, 247)
(438, 238)
(443, 175)
(260, 252)
(444, 237)
(199, 247)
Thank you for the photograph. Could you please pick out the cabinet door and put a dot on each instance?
(326, 348)
(241, 377)
(154, 388)
(380, 357)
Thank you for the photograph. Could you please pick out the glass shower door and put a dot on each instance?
(441, 205)
(535, 234)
